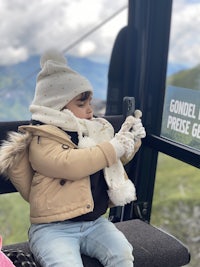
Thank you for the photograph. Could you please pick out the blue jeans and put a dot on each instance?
(60, 244)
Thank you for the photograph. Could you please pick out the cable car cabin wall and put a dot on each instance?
(137, 69)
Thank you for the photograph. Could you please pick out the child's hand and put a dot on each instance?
(127, 125)
(123, 143)
(137, 129)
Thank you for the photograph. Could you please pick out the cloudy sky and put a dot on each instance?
(30, 27)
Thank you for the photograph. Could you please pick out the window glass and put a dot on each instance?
(84, 30)
(176, 203)
(181, 114)
(176, 200)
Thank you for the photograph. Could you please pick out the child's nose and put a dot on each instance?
(89, 109)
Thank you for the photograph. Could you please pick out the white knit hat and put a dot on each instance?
(57, 84)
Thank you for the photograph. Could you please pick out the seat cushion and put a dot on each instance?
(151, 248)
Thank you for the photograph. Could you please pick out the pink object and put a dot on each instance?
(4, 260)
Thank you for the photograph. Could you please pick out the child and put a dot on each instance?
(68, 166)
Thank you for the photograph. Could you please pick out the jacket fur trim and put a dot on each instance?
(14, 162)
(11, 149)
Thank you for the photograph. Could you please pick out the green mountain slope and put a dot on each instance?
(187, 78)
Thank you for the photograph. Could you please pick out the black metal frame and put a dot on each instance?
(143, 58)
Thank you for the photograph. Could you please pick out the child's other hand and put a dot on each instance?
(123, 143)
(127, 125)
(138, 130)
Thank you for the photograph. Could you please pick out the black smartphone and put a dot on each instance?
(128, 106)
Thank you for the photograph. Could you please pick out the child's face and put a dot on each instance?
(82, 109)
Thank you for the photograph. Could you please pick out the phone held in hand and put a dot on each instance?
(128, 106)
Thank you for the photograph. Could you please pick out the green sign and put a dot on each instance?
(181, 116)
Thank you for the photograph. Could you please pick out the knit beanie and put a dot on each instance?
(57, 84)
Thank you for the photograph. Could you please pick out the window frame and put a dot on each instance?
(144, 77)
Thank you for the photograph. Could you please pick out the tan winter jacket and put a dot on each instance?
(51, 173)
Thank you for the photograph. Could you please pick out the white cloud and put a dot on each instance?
(28, 28)
(13, 55)
(86, 48)
(34, 26)
(185, 37)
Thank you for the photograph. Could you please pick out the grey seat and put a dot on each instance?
(151, 246)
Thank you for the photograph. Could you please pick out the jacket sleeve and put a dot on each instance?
(54, 159)
(21, 175)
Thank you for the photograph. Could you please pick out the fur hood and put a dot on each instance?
(14, 162)
(11, 150)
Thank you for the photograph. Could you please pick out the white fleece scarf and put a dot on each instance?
(90, 133)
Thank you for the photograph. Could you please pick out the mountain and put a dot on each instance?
(173, 68)
(186, 78)
(17, 83)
